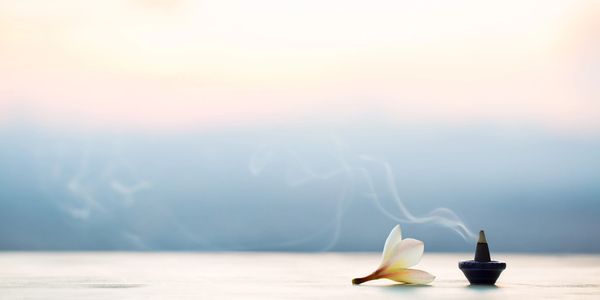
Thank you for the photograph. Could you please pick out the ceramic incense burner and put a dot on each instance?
(482, 269)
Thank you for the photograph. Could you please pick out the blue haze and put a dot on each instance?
(285, 188)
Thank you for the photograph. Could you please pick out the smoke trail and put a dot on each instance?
(302, 174)
(259, 160)
(127, 192)
(441, 215)
(296, 176)
(86, 191)
(96, 178)
(82, 191)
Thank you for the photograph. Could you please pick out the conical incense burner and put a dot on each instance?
(482, 269)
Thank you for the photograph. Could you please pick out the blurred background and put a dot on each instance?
(275, 125)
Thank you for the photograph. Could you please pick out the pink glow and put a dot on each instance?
(135, 65)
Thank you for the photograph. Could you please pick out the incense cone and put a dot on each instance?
(482, 270)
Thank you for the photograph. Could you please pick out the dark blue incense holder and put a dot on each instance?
(482, 270)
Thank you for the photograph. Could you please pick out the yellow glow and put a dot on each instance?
(427, 60)
(264, 40)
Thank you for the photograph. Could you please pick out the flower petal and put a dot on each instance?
(411, 276)
(406, 254)
(393, 239)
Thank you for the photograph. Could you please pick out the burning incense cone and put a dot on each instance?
(482, 270)
(482, 252)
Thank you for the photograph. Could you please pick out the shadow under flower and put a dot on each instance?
(403, 288)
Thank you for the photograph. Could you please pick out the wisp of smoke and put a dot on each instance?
(302, 174)
(259, 160)
(441, 215)
(128, 191)
(82, 192)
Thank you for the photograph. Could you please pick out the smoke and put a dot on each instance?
(82, 191)
(259, 160)
(127, 192)
(96, 186)
(106, 185)
(441, 215)
(89, 184)
(357, 174)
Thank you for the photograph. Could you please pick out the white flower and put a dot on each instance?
(398, 256)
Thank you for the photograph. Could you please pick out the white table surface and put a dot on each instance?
(117, 275)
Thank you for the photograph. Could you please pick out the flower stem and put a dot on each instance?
(360, 280)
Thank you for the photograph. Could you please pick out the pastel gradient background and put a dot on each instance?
(299, 125)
